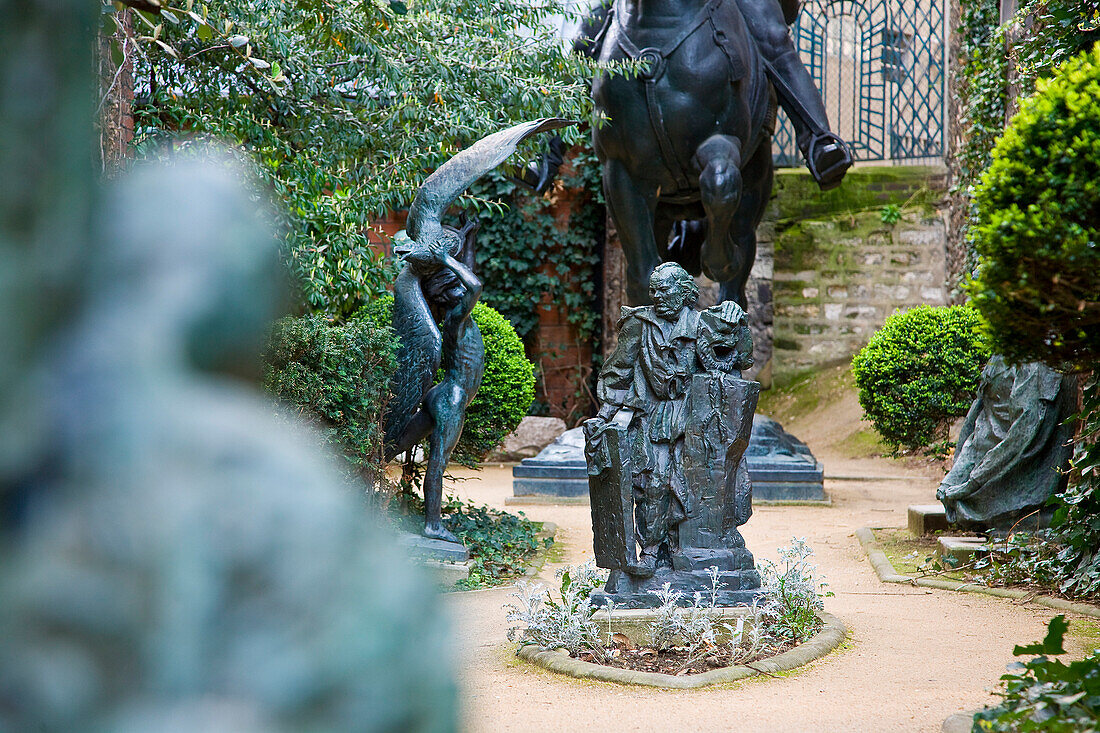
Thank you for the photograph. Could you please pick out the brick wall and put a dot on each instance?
(563, 359)
(116, 89)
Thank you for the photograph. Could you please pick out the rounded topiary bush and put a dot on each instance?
(1037, 225)
(336, 377)
(920, 372)
(507, 388)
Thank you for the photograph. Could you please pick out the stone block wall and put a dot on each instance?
(839, 272)
(828, 270)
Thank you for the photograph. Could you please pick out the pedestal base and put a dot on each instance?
(742, 587)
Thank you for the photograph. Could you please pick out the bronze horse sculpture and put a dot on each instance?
(686, 144)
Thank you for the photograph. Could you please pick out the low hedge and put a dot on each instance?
(336, 377)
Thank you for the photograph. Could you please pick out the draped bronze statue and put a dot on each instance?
(1013, 449)
(686, 148)
(433, 298)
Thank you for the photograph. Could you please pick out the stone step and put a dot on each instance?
(926, 519)
(962, 549)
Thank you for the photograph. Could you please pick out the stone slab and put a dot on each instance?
(781, 467)
(786, 491)
(446, 574)
(959, 723)
(426, 548)
(553, 471)
(740, 587)
(564, 487)
(762, 472)
(926, 519)
(530, 436)
(962, 549)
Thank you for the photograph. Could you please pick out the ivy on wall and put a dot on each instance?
(523, 252)
(982, 87)
(995, 58)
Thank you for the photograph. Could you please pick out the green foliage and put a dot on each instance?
(347, 105)
(920, 372)
(793, 592)
(523, 252)
(337, 378)
(1037, 225)
(507, 388)
(1055, 31)
(890, 214)
(562, 623)
(1076, 527)
(1046, 694)
(501, 545)
(982, 85)
(506, 392)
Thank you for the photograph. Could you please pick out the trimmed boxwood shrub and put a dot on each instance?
(507, 388)
(920, 372)
(1037, 229)
(337, 378)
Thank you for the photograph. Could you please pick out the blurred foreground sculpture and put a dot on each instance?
(1012, 448)
(666, 453)
(433, 298)
(181, 560)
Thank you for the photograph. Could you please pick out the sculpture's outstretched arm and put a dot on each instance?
(453, 177)
(470, 282)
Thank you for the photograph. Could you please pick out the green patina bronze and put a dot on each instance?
(666, 453)
(1013, 448)
(433, 298)
(686, 149)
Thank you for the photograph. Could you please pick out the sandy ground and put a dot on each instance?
(913, 657)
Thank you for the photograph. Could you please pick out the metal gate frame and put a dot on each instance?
(898, 110)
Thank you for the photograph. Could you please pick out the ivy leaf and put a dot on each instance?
(117, 56)
(167, 49)
(399, 7)
(204, 32)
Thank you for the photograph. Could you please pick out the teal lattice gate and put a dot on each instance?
(880, 67)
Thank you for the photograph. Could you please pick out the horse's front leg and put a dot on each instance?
(632, 207)
(718, 161)
(741, 243)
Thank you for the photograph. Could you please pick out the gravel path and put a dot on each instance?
(914, 655)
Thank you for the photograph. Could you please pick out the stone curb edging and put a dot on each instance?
(823, 642)
(886, 573)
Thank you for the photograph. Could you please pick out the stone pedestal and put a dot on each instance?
(961, 549)
(780, 467)
(742, 587)
(926, 519)
(446, 562)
